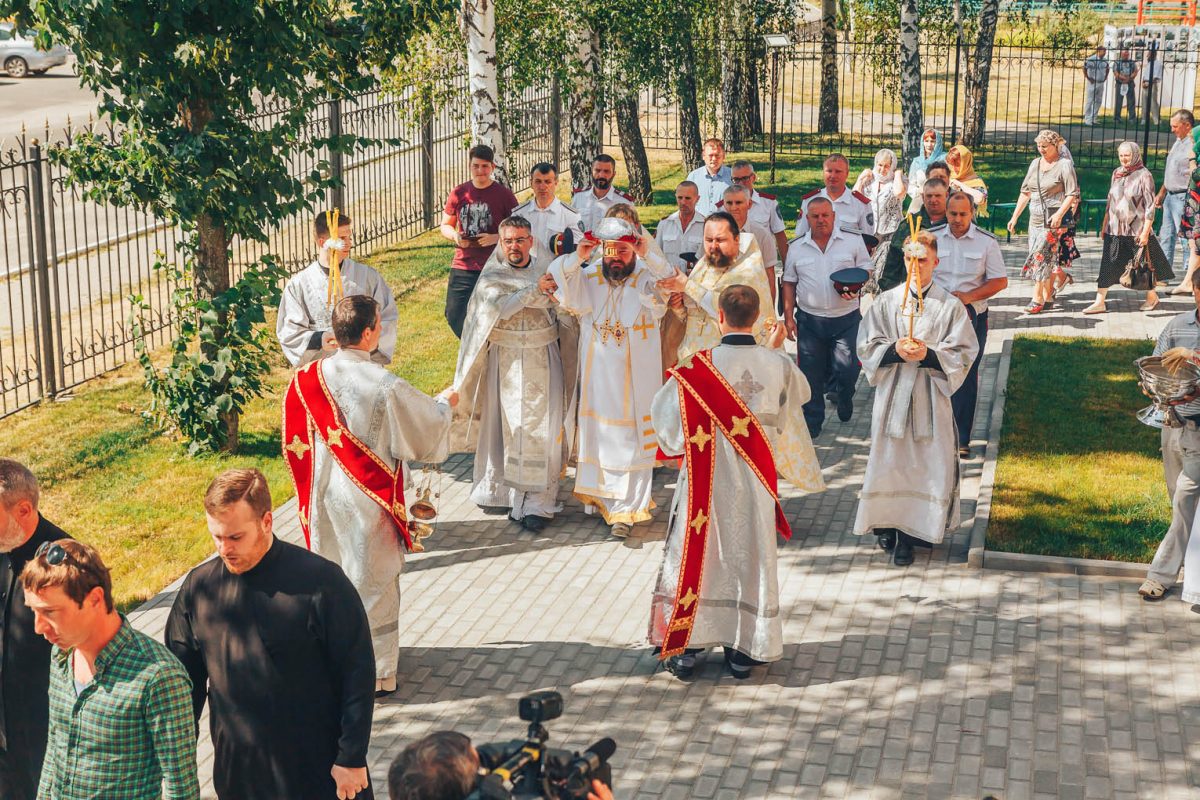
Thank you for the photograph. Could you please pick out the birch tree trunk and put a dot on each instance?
(731, 95)
(629, 129)
(911, 106)
(479, 29)
(978, 74)
(689, 111)
(585, 107)
(827, 114)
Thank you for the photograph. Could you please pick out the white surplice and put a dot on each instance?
(304, 310)
(516, 389)
(398, 424)
(620, 363)
(912, 477)
(739, 589)
(703, 294)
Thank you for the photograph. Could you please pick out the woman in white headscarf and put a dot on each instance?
(1127, 226)
(884, 186)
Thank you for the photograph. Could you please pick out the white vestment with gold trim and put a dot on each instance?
(398, 424)
(620, 363)
(739, 590)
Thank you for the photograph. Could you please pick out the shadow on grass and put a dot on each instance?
(1078, 475)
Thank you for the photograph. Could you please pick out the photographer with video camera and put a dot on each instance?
(446, 766)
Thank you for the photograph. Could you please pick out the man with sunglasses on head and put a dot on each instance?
(120, 704)
(24, 656)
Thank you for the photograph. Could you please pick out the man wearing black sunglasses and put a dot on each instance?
(24, 655)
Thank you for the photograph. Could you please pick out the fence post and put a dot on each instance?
(41, 271)
(1151, 58)
(427, 199)
(957, 62)
(555, 123)
(337, 193)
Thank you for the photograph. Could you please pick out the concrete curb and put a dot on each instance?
(987, 478)
(978, 556)
(1022, 562)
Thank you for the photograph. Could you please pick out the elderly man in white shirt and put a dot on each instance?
(737, 203)
(1172, 195)
(683, 230)
(822, 321)
(547, 215)
(764, 208)
(970, 267)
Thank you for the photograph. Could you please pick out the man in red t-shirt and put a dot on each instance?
(471, 219)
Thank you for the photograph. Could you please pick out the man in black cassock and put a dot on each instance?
(276, 638)
(24, 655)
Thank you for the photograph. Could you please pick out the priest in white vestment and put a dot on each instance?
(306, 305)
(910, 489)
(515, 383)
(619, 307)
(398, 424)
(738, 605)
(730, 257)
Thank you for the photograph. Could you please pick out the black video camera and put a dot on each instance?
(526, 768)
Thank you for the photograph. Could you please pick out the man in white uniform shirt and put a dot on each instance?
(764, 208)
(547, 215)
(683, 230)
(594, 202)
(1176, 181)
(737, 204)
(852, 209)
(713, 177)
(970, 267)
(822, 322)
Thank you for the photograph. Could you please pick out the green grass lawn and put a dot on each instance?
(1078, 475)
(111, 479)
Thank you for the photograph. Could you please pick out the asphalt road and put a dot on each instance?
(40, 99)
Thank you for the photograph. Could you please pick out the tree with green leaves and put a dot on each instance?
(181, 81)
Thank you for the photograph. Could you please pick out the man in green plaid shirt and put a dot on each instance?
(121, 724)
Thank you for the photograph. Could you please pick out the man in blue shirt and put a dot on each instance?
(713, 178)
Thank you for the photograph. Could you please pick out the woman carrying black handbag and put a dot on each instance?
(1132, 256)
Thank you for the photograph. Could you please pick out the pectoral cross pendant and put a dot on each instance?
(617, 331)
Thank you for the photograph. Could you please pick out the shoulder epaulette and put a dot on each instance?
(986, 233)
(862, 198)
(628, 197)
(720, 203)
(581, 191)
(813, 193)
(569, 207)
(768, 196)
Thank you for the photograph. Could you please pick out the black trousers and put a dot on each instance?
(458, 294)
(825, 351)
(964, 400)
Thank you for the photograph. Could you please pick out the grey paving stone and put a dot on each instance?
(934, 681)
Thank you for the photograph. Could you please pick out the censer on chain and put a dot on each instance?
(422, 513)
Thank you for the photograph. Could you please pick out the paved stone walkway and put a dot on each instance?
(932, 681)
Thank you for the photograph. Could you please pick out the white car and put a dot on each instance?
(20, 56)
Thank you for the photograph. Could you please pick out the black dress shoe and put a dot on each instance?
(682, 666)
(886, 539)
(535, 524)
(904, 551)
(845, 408)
